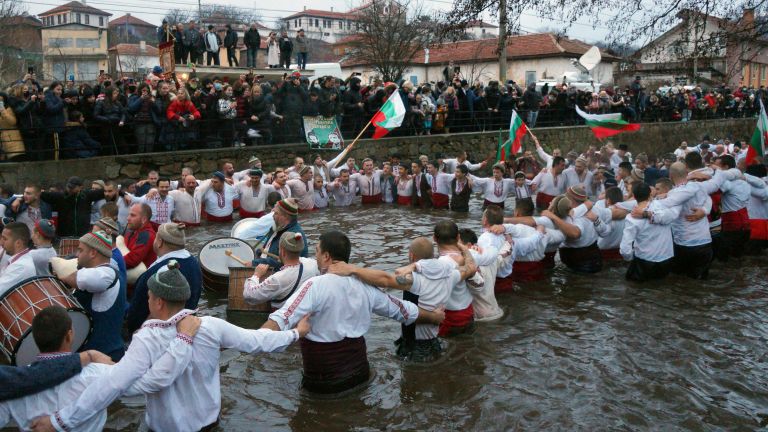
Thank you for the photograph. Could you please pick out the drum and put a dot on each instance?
(215, 263)
(62, 267)
(18, 308)
(237, 278)
(68, 246)
(253, 230)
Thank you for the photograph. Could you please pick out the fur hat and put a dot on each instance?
(170, 285)
(171, 233)
(99, 241)
(292, 242)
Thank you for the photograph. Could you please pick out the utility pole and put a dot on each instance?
(200, 13)
(502, 42)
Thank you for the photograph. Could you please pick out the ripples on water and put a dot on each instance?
(571, 352)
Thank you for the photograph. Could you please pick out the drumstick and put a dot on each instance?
(237, 258)
(271, 255)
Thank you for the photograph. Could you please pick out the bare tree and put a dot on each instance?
(230, 14)
(12, 61)
(175, 16)
(391, 35)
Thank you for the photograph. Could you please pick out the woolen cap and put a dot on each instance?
(171, 233)
(253, 159)
(292, 242)
(576, 193)
(637, 175)
(100, 183)
(560, 206)
(74, 181)
(289, 206)
(46, 228)
(256, 172)
(108, 225)
(219, 175)
(99, 241)
(170, 285)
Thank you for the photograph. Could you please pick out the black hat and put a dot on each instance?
(74, 181)
(623, 147)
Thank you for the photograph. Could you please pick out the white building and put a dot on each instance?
(482, 30)
(134, 60)
(329, 26)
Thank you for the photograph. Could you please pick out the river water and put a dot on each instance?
(571, 353)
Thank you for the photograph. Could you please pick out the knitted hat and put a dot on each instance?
(519, 174)
(170, 285)
(642, 157)
(45, 228)
(581, 159)
(576, 193)
(305, 169)
(74, 181)
(292, 242)
(171, 233)
(219, 175)
(573, 154)
(560, 206)
(253, 160)
(100, 183)
(100, 241)
(108, 225)
(256, 172)
(637, 175)
(289, 206)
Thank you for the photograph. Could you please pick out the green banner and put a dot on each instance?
(322, 133)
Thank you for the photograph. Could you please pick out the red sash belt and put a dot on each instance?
(759, 229)
(504, 285)
(735, 220)
(246, 214)
(372, 199)
(439, 201)
(527, 271)
(611, 255)
(211, 218)
(543, 200)
(487, 203)
(332, 367)
(457, 322)
(403, 200)
(236, 203)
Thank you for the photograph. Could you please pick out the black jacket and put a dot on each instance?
(77, 143)
(74, 210)
(286, 45)
(252, 39)
(230, 39)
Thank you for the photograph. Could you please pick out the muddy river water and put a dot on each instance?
(571, 353)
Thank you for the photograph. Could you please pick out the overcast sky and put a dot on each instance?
(153, 12)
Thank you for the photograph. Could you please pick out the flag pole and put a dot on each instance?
(362, 131)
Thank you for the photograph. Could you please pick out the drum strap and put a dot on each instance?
(117, 274)
(296, 285)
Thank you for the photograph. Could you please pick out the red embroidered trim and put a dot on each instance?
(292, 308)
(184, 338)
(400, 305)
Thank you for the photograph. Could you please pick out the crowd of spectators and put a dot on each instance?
(121, 116)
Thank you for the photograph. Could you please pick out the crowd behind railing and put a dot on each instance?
(62, 120)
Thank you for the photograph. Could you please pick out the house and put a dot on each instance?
(481, 30)
(133, 60)
(131, 30)
(21, 46)
(703, 48)
(329, 26)
(530, 58)
(74, 42)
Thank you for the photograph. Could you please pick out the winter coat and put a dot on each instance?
(273, 53)
(192, 38)
(531, 98)
(261, 109)
(252, 39)
(230, 39)
(77, 143)
(179, 108)
(143, 110)
(329, 107)
(212, 42)
(74, 210)
(53, 113)
(112, 113)
(26, 113)
(286, 45)
(301, 44)
(292, 99)
(11, 143)
(224, 108)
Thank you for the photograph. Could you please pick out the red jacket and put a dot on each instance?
(139, 243)
(178, 108)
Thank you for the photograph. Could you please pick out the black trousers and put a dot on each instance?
(693, 261)
(212, 57)
(641, 270)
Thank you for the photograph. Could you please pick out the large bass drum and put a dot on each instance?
(215, 263)
(20, 305)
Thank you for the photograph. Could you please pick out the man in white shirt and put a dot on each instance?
(29, 209)
(426, 282)
(495, 189)
(579, 251)
(253, 195)
(369, 182)
(53, 334)
(578, 174)
(253, 163)
(277, 287)
(187, 202)
(161, 203)
(440, 185)
(193, 401)
(612, 211)
(294, 170)
(549, 183)
(43, 234)
(459, 312)
(218, 199)
(530, 263)
(15, 240)
(280, 186)
(648, 245)
(334, 352)
(449, 165)
(343, 189)
(303, 189)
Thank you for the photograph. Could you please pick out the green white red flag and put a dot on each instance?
(607, 125)
(759, 138)
(390, 115)
(517, 130)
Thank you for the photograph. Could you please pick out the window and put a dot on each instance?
(349, 25)
(288, 25)
(763, 70)
(58, 18)
(87, 42)
(78, 18)
(530, 77)
(317, 23)
(483, 31)
(62, 70)
(101, 21)
(60, 42)
(87, 19)
(65, 18)
(341, 25)
(87, 70)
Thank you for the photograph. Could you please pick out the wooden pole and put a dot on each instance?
(236, 258)
(361, 132)
(502, 43)
(55, 146)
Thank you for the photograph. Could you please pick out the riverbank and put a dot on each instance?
(653, 138)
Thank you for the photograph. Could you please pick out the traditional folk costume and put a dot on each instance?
(186, 207)
(303, 192)
(548, 186)
(460, 195)
(441, 190)
(20, 267)
(459, 314)
(334, 352)
(370, 186)
(495, 192)
(253, 201)
(344, 194)
(162, 208)
(647, 243)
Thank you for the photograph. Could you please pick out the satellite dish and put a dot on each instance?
(591, 58)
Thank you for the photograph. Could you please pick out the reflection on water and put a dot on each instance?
(571, 353)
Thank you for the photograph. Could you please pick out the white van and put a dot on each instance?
(322, 69)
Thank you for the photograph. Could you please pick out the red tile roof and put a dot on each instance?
(321, 14)
(135, 50)
(130, 20)
(518, 47)
(21, 20)
(75, 6)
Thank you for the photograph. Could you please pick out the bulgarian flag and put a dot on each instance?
(389, 116)
(606, 125)
(504, 150)
(759, 138)
(517, 130)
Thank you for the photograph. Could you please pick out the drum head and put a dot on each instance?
(240, 225)
(214, 259)
(28, 351)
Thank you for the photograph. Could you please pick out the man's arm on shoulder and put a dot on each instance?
(27, 380)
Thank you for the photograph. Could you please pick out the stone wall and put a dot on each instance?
(653, 138)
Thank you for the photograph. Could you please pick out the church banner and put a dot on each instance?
(322, 133)
(167, 62)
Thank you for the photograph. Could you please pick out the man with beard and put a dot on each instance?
(187, 202)
(369, 182)
(303, 189)
(113, 195)
(253, 163)
(343, 190)
(549, 183)
(15, 241)
(139, 237)
(578, 174)
(160, 202)
(29, 209)
(280, 184)
(285, 213)
(218, 198)
(144, 186)
(73, 206)
(253, 195)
